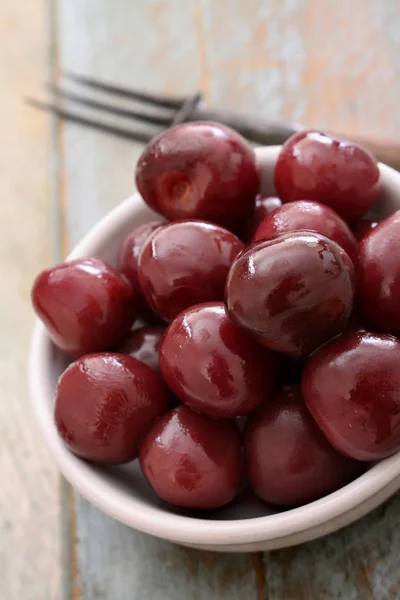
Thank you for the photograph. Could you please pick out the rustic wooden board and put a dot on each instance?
(29, 499)
(328, 64)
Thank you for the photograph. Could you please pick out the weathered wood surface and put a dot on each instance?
(328, 64)
(29, 505)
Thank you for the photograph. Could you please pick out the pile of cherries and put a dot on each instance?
(284, 310)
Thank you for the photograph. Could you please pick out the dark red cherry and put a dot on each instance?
(293, 293)
(316, 166)
(199, 170)
(377, 266)
(288, 460)
(86, 305)
(128, 258)
(143, 344)
(311, 216)
(264, 206)
(352, 388)
(185, 263)
(104, 404)
(362, 227)
(192, 461)
(213, 366)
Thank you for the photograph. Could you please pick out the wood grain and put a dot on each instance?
(29, 499)
(356, 563)
(126, 564)
(330, 65)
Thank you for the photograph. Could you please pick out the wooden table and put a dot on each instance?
(328, 64)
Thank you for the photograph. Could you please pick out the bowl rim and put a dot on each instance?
(338, 508)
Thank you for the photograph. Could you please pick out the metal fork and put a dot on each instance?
(172, 110)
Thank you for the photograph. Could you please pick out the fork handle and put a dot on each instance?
(252, 127)
(268, 133)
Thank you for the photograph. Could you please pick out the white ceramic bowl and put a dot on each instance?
(122, 492)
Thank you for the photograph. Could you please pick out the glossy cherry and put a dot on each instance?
(377, 266)
(199, 170)
(315, 166)
(213, 366)
(86, 305)
(104, 404)
(303, 215)
(352, 388)
(288, 460)
(184, 263)
(293, 293)
(361, 228)
(192, 461)
(128, 258)
(143, 344)
(264, 206)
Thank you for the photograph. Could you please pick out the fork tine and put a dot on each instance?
(165, 121)
(138, 136)
(187, 109)
(155, 99)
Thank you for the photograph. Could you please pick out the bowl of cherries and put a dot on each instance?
(217, 362)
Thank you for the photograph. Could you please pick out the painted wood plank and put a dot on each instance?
(318, 67)
(357, 563)
(29, 499)
(114, 561)
(324, 64)
(330, 65)
(118, 562)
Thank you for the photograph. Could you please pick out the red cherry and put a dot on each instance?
(288, 460)
(377, 267)
(104, 404)
(128, 258)
(214, 367)
(362, 227)
(293, 293)
(201, 171)
(352, 389)
(316, 166)
(86, 305)
(192, 461)
(264, 206)
(143, 344)
(185, 263)
(311, 216)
